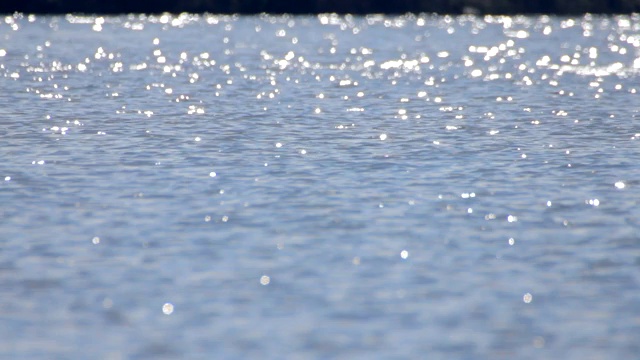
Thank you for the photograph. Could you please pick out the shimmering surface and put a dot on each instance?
(318, 187)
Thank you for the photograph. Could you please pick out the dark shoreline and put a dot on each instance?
(356, 7)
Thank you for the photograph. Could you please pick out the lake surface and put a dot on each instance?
(203, 186)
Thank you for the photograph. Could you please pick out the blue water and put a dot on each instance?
(202, 186)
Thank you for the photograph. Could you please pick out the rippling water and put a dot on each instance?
(320, 187)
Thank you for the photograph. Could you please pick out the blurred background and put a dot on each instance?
(322, 6)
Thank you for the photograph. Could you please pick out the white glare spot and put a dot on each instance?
(512, 218)
(207, 218)
(618, 184)
(538, 342)
(404, 254)
(197, 138)
(594, 202)
(512, 241)
(167, 308)
(213, 174)
(95, 240)
(527, 298)
(107, 303)
(303, 151)
(549, 203)
(278, 145)
(7, 178)
(265, 280)
(383, 136)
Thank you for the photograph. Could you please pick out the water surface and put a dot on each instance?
(204, 186)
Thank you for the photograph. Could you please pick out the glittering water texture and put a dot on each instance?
(319, 187)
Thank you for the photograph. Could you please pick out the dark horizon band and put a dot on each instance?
(356, 7)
